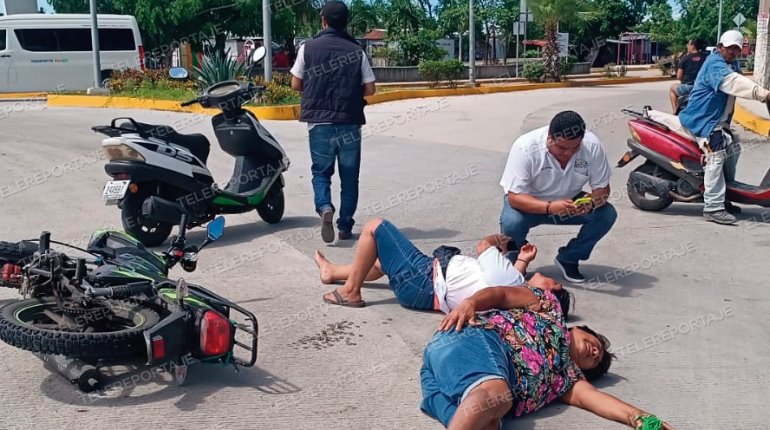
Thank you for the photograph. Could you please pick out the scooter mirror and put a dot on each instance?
(215, 229)
(259, 54)
(178, 73)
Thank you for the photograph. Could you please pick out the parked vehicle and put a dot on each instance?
(155, 160)
(53, 52)
(118, 306)
(673, 167)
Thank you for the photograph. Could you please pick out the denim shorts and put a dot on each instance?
(683, 89)
(456, 362)
(409, 271)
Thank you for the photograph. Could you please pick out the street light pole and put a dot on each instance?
(95, 46)
(471, 45)
(719, 29)
(267, 39)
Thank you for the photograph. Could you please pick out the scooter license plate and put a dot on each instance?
(114, 191)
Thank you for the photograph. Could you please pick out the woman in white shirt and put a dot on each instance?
(417, 279)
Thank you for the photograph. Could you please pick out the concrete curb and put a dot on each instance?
(21, 96)
(751, 121)
(291, 112)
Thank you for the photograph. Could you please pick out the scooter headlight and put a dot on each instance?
(122, 152)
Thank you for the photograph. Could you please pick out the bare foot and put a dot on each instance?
(323, 268)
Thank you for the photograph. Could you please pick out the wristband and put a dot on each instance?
(523, 261)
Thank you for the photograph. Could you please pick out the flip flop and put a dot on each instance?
(341, 301)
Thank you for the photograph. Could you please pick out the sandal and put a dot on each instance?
(341, 301)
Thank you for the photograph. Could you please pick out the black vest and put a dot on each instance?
(331, 85)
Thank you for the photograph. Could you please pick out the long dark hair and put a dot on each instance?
(603, 367)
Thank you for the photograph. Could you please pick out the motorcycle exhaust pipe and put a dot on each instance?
(85, 376)
(658, 186)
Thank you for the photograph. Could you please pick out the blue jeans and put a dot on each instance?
(409, 271)
(456, 362)
(595, 226)
(341, 143)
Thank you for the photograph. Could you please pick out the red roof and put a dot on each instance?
(540, 43)
(375, 35)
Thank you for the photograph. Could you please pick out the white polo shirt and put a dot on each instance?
(532, 170)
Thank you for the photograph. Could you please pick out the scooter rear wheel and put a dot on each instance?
(638, 194)
(147, 231)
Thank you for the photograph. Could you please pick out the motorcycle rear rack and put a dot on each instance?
(251, 327)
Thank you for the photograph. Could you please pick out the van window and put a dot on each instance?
(74, 39)
(2, 40)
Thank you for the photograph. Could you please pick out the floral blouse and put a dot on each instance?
(539, 343)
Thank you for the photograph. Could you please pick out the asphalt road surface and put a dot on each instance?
(684, 302)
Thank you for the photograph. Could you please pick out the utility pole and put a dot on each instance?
(267, 39)
(471, 45)
(95, 46)
(719, 28)
(761, 57)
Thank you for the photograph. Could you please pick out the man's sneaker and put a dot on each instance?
(570, 271)
(720, 217)
(345, 235)
(327, 226)
(732, 209)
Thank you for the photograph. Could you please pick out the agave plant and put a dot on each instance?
(217, 67)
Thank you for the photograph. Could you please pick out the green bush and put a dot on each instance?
(749, 64)
(534, 72)
(414, 49)
(567, 63)
(437, 71)
(276, 94)
(131, 82)
(390, 55)
(532, 53)
(217, 67)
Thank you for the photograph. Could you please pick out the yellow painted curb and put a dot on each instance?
(752, 121)
(20, 95)
(291, 112)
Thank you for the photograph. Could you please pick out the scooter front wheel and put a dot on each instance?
(271, 208)
(147, 231)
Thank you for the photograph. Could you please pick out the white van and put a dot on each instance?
(53, 52)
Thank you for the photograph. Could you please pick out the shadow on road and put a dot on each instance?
(616, 281)
(246, 232)
(141, 385)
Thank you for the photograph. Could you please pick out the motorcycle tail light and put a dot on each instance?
(122, 152)
(634, 134)
(158, 348)
(215, 334)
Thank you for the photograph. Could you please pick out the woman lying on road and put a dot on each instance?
(515, 356)
(417, 279)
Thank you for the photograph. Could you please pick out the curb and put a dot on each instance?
(751, 121)
(291, 112)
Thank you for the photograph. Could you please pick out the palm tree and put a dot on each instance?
(549, 13)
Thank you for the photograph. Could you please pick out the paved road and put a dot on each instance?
(684, 302)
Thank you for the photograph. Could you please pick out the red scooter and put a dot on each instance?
(673, 170)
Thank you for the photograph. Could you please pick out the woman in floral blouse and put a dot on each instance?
(515, 356)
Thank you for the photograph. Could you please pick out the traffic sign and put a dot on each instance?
(739, 19)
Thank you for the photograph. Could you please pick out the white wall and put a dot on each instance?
(12, 7)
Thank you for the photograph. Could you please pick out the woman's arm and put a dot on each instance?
(486, 299)
(586, 396)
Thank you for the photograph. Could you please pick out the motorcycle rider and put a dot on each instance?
(688, 69)
(707, 117)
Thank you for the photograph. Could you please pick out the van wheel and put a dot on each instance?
(106, 78)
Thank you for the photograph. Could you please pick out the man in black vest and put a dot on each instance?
(334, 75)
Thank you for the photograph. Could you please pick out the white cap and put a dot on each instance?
(731, 38)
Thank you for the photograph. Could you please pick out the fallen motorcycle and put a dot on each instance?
(118, 306)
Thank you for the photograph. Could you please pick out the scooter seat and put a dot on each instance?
(672, 122)
(196, 143)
